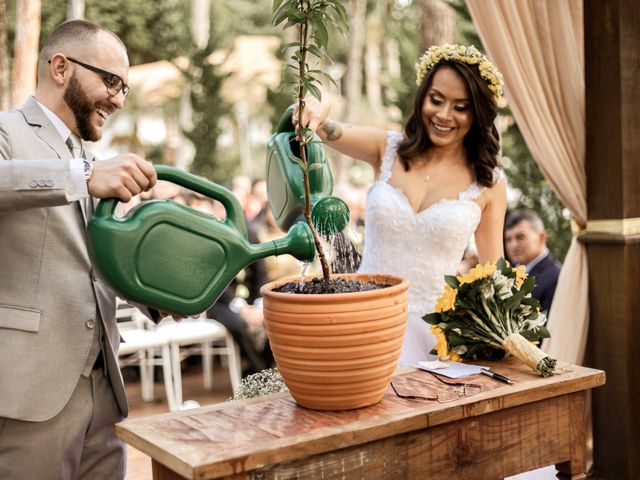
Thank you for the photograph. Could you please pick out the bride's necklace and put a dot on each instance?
(429, 174)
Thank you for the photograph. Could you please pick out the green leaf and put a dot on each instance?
(342, 11)
(276, 5)
(452, 281)
(318, 52)
(280, 15)
(315, 91)
(321, 34)
(501, 264)
(432, 318)
(290, 45)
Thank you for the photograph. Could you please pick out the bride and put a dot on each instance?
(437, 183)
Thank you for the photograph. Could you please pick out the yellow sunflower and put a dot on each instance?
(477, 272)
(447, 301)
(521, 274)
(441, 342)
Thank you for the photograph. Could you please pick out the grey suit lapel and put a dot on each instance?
(43, 127)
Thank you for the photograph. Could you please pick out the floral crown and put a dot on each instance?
(460, 53)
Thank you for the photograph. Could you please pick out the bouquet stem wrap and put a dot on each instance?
(524, 350)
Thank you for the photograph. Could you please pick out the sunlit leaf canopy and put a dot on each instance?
(226, 128)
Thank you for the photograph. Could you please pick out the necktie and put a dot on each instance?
(75, 146)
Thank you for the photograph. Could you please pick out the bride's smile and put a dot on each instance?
(446, 111)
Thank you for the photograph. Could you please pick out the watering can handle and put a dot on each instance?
(235, 216)
(285, 124)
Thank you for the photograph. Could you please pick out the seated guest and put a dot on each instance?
(526, 244)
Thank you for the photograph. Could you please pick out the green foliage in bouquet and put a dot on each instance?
(487, 312)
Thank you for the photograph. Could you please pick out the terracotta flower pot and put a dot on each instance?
(337, 351)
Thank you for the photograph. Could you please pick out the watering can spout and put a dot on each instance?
(285, 182)
(174, 258)
(298, 242)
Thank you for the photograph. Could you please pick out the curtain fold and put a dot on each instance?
(538, 47)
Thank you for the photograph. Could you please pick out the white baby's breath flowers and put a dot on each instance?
(266, 382)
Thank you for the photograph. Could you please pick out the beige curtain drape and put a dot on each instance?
(538, 47)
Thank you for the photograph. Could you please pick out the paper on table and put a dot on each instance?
(452, 370)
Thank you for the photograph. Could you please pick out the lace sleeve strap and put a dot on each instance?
(475, 189)
(393, 140)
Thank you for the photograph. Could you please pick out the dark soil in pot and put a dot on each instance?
(334, 285)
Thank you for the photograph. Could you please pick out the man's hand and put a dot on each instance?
(121, 177)
(314, 113)
(252, 315)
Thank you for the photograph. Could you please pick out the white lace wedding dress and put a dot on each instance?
(421, 246)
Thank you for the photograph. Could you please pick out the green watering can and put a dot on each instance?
(285, 182)
(174, 258)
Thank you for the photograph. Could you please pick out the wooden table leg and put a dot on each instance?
(576, 467)
(160, 472)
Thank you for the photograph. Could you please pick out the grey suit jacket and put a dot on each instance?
(50, 299)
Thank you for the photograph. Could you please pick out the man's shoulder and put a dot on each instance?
(548, 265)
(12, 117)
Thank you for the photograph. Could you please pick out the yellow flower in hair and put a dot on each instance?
(447, 301)
(463, 54)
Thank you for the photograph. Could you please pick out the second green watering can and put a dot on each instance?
(174, 258)
(285, 182)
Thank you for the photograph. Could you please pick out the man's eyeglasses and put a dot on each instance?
(114, 83)
(466, 389)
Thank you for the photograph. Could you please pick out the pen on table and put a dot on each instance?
(496, 376)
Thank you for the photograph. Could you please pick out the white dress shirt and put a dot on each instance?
(78, 186)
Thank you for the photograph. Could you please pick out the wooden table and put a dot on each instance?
(501, 431)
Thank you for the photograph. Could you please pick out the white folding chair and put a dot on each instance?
(204, 337)
(141, 343)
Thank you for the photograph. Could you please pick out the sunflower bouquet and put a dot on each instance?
(488, 313)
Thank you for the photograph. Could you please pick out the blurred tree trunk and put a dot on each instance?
(437, 23)
(5, 92)
(357, 11)
(200, 22)
(25, 54)
(373, 57)
(75, 10)
(353, 86)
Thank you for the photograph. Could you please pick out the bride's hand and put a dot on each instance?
(314, 113)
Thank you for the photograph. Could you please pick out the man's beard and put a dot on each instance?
(82, 108)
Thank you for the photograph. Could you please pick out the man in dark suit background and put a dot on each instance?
(526, 244)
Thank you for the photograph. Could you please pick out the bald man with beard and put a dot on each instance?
(61, 388)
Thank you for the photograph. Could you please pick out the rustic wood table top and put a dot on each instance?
(239, 436)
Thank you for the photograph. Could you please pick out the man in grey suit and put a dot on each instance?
(61, 391)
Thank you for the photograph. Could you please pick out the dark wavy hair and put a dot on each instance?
(481, 143)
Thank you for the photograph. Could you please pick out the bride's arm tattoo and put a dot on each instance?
(332, 130)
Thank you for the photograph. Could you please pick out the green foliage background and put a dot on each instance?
(160, 30)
